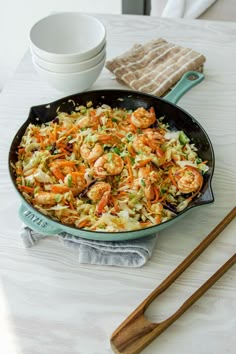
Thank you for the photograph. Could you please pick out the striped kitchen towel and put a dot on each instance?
(156, 66)
(128, 253)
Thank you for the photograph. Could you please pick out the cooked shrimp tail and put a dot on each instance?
(141, 118)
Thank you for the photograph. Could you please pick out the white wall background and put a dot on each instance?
(18, 16)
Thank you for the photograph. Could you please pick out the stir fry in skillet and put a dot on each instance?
(108, 169)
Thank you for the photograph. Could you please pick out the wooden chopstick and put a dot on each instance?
(136, 332)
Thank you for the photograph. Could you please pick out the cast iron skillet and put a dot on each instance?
(177, 119)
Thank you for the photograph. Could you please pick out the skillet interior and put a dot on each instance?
(176, 117)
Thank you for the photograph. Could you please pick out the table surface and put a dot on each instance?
(49, 303)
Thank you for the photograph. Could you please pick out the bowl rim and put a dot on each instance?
(68, 55)
(36, 55)
(62, 74)
(68, 68)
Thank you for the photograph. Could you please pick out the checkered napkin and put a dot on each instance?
(155, 67)
(131, 253)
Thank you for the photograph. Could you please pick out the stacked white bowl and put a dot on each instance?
(68, 50)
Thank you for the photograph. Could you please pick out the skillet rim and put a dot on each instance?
(101, 92)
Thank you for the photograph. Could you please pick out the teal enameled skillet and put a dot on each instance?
(177, 118)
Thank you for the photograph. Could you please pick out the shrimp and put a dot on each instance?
(108, 164)
(188, 179)
(45, 198)
(154, 137)
(108, 139)
(149, 142)
(90, 151)
(100, 193)
(146, 180)
(140, 145)
(76, 182)
(88, 122)
(141, 118)
(60, 168)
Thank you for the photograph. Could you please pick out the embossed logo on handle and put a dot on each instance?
(35, 219)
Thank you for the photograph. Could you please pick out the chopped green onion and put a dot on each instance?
(116, 150)
(132, 159)
(58, 198)
(183, 138)
(198, 160)
(69, 181)
(143, 183)
(129, 136)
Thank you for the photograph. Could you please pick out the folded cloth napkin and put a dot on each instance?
(186, 8)
(132, 253)
(156, 66)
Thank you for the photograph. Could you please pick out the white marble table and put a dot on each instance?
(50, 304)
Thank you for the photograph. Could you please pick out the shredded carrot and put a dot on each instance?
(71, 130)
(145, 223)
(19, 171)
(122, 194)
(83, 223)
(77, 174)
(157, 194)
(81, 168)
(21, 150)
(125, 127)
(57, 156)
(115, 204)
(68, 132)
(162, 198)
(55, 132)
(60, 189)
(133, 127)
(71, 205)
(92, 113)
(131, 150)
(129, 166)
(143, 163)
(63, 163)
(172, 178)
(57, 173)
(120, 135)
(168, 164)
(64, 150)
(109, 123)
(27, 189)
(158, 218)
(152, 110)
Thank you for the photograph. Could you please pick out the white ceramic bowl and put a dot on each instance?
(67, 37)
(71, 83)
(71, 67)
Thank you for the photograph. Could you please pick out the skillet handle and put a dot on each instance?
(188, 80)
(205, 198)
(37, 223)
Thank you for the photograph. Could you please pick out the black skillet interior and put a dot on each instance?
(176, 117)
